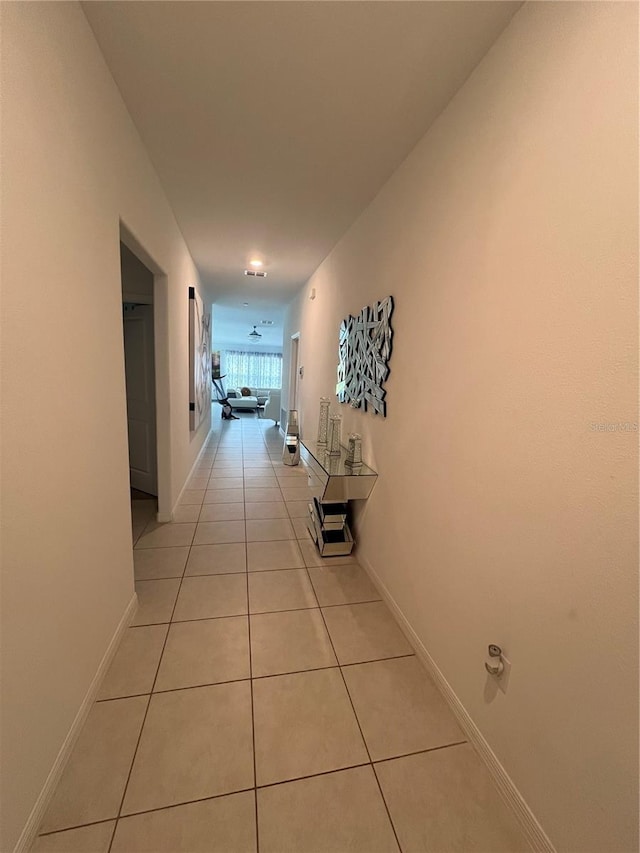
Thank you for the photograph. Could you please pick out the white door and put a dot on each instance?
(141, 396)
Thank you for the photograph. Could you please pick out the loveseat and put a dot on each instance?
(258, 399)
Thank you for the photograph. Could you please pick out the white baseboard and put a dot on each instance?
(533, 832)
(28, 834)
(164, 517)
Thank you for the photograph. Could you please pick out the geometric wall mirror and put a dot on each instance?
(364, 353)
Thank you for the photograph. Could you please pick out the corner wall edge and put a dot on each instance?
(531, 828)
(30, 829)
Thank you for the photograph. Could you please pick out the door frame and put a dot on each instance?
(294, 375)
(162, 370)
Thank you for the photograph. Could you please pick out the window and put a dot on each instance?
(253, 369)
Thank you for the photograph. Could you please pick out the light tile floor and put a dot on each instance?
(264, 698)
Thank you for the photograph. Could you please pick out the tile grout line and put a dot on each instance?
(149, 811)
(373, 767)
(268, 613)
(359, 764)
(253, 725)
(420, 751)
(271, 469)
(260, 787)
(254, 677)
(366, 746)
(146, 712)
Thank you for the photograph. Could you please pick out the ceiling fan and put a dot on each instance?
(254, 336)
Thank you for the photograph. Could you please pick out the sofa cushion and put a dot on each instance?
(244, 402)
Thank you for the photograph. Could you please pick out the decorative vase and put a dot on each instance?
(292, 422)
(354, 449)
(323, 422)
(335, 428)
(291, 449)
(331, 463)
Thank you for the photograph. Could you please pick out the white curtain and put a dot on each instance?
(253, 369)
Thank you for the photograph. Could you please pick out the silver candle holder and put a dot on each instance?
(331, 464)
(291, 448)
(323, 422)
(333, 440)
(354, 449)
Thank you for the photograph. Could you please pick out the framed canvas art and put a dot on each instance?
(199, 361)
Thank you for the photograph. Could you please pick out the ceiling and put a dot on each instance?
(231, 328)
(272, 125)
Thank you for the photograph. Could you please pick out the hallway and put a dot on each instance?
(250, 664)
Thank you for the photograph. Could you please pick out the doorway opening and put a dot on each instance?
(138, 329)
(140, 373)
(146, 375)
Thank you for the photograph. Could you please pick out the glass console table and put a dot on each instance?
(334, 483)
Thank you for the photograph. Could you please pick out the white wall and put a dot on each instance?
(509, 241)
(72, 167)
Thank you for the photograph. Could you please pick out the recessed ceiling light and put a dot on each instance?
(256, 263)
